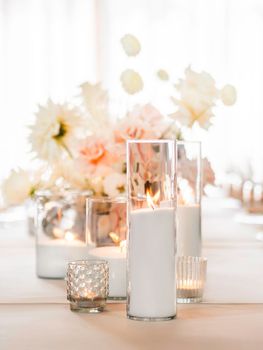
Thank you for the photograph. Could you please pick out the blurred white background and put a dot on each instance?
(49, 47)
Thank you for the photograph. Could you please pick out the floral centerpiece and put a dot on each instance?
(82, 146)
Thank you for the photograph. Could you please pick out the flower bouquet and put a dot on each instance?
(83, 146)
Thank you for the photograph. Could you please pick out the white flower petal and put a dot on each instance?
(228, 95)
(17, 187)
(114, 184)
(56, 131)
(96, 101)
(131, 45)
(131, 81)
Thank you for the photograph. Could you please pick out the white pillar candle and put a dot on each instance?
(117, 268)
(189, 230)
(151, 263)
(54, 255)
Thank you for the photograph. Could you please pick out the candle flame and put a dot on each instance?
(115, 238)
(186, 193)
(123, 245)
(152, 200)
(69, 236)
(58, 233)
(90, 295)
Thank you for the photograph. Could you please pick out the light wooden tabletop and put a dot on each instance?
(34, 313)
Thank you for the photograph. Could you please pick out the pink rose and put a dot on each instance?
(142, 123)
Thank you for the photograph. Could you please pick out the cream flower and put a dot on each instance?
(96, 185)
(114, 184)
(173, 132)
(17, 187)
(96, 101)
(198, 94)
(228, 95)
(55, 131)
(188, 116)
(66, 170)
(163, 75)
(131, 81)
(201, 84)
(131, 45)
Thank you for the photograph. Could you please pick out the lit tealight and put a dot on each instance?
(69, 236)
(115, 238)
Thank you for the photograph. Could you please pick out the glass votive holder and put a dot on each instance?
(87, 285)
(106, 238)
(191, 276)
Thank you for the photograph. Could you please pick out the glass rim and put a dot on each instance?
(196, 259)
(189, 142)
(119, 199)
(164, 141)
(88, 262)
(60, 193)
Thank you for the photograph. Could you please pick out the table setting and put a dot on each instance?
(119, 237)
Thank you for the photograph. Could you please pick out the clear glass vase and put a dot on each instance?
(106, 235)
(60, 231)
(151, 174)
(189, 184)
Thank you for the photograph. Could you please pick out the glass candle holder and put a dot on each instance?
(60, 231)
(87, 285)
(152, 229)
(191, 276)
(106, 235)
(189, 241)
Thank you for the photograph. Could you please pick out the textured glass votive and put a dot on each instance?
(87, 285)
(191, 276)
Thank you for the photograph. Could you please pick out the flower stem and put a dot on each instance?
(66, 149)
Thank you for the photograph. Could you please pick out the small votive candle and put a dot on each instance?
(191, 276)
(87, 285)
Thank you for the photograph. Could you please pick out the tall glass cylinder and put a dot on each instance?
(189, 184)
(151, 174)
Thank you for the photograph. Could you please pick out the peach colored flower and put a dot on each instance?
(97, 156)
(95, 153)
(143, 122)
(98, 150)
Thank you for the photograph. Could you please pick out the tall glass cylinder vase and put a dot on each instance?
(189, 184)
(60, 233)
(151, 174)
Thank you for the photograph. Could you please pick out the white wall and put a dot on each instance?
(48, 47)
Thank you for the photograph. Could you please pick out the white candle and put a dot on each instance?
(54, 255)
(151, 263)
(189, 230)
(117, 268)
